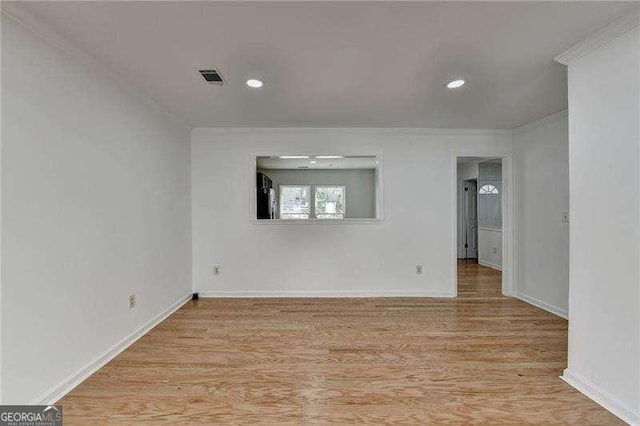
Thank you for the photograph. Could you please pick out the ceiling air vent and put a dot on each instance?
(212, 77)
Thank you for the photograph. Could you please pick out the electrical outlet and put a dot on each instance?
(216, 270)
(132, 301)
(419, 269)
(565, 217)
(495, 250)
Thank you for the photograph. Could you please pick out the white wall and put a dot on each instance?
(490, 247)
(360, 186)
(542, 194)
(490, 171)
(95, 207)
(604, 161)
(419, 174)
(468, 170)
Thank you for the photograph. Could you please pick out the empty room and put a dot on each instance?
(310, 212)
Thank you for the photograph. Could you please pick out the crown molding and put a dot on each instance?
(415, 131)
(605, 35)
(541, 122)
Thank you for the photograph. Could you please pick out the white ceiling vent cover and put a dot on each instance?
(212, 76)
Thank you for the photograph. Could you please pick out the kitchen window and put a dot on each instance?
(312, 201)
(329, 202)
(295, 201)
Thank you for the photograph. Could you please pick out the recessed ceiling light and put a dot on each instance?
(293, 157)
(254, 83)
(312, 162)
(455, 84)
(329, 156)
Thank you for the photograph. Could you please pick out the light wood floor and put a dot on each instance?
(480, 358)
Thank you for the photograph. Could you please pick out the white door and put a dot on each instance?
(490, 203)
(471, 219)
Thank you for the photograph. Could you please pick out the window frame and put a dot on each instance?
(380, 209)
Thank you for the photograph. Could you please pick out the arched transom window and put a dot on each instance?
(488, 189)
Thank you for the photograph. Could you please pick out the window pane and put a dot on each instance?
(330, 202)
(295, 202)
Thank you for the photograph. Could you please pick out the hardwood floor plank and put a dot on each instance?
(480, 358)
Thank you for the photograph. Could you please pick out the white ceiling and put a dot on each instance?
(338, 64)
(348, 162)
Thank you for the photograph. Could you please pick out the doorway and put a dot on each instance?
(483, 240)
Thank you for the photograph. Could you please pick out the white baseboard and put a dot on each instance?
(593, 392)
(542, 305)
(61, 389)
(489, 265)
(332, 294)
